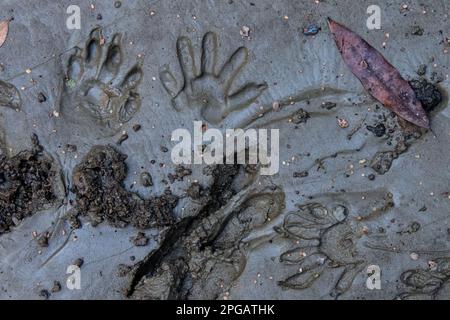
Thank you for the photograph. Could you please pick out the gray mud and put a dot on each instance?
(357, 186)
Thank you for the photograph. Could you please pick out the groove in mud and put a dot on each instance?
(204, 254)
(223, 178)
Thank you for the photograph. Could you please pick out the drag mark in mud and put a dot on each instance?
(202, 254)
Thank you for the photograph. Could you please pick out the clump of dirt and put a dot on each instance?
(180, 173)
(301, 116)
(398, 132)
(26, 185)
(427, 93)
(100, 194)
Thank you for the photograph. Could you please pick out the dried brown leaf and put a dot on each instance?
(378, 76)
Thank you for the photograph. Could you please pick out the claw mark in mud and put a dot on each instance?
(95, 87)
(203, 254)
(9, 96)
(28, 184)
(433, 283)
(207, 89)
(98, 186)
(326, 237)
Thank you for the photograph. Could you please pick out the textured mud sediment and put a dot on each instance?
(29, 182)
(100, 194)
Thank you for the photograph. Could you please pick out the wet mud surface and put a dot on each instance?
(96, 186)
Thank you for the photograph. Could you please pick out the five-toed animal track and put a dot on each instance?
(208, 89)
(96, 88)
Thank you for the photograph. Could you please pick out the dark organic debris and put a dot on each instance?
(328, 105)
(382, 161)
(417, 30)
(140, 240)
(301, 174)
(427, 93)
(26, 185)
(56, 286)
(422, 70)
(379, 130)
(194, 191)
(146, 179)
(43, 240)
(301, 116)
(123, 137)
(180, 173)
(41, 97)
(378, 76)
(123, 270)
(98, 186)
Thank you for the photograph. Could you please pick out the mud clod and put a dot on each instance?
(301, 174)
(100, 194)
(140, 240)
(56, 286)
(382, 161)
(26, 185)
(180, 173)
(379, 130)
(194, 191)
(43, 240)
(301, 116)
(427, 93)
(328, 105)
(146, 179)
(123, 270)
